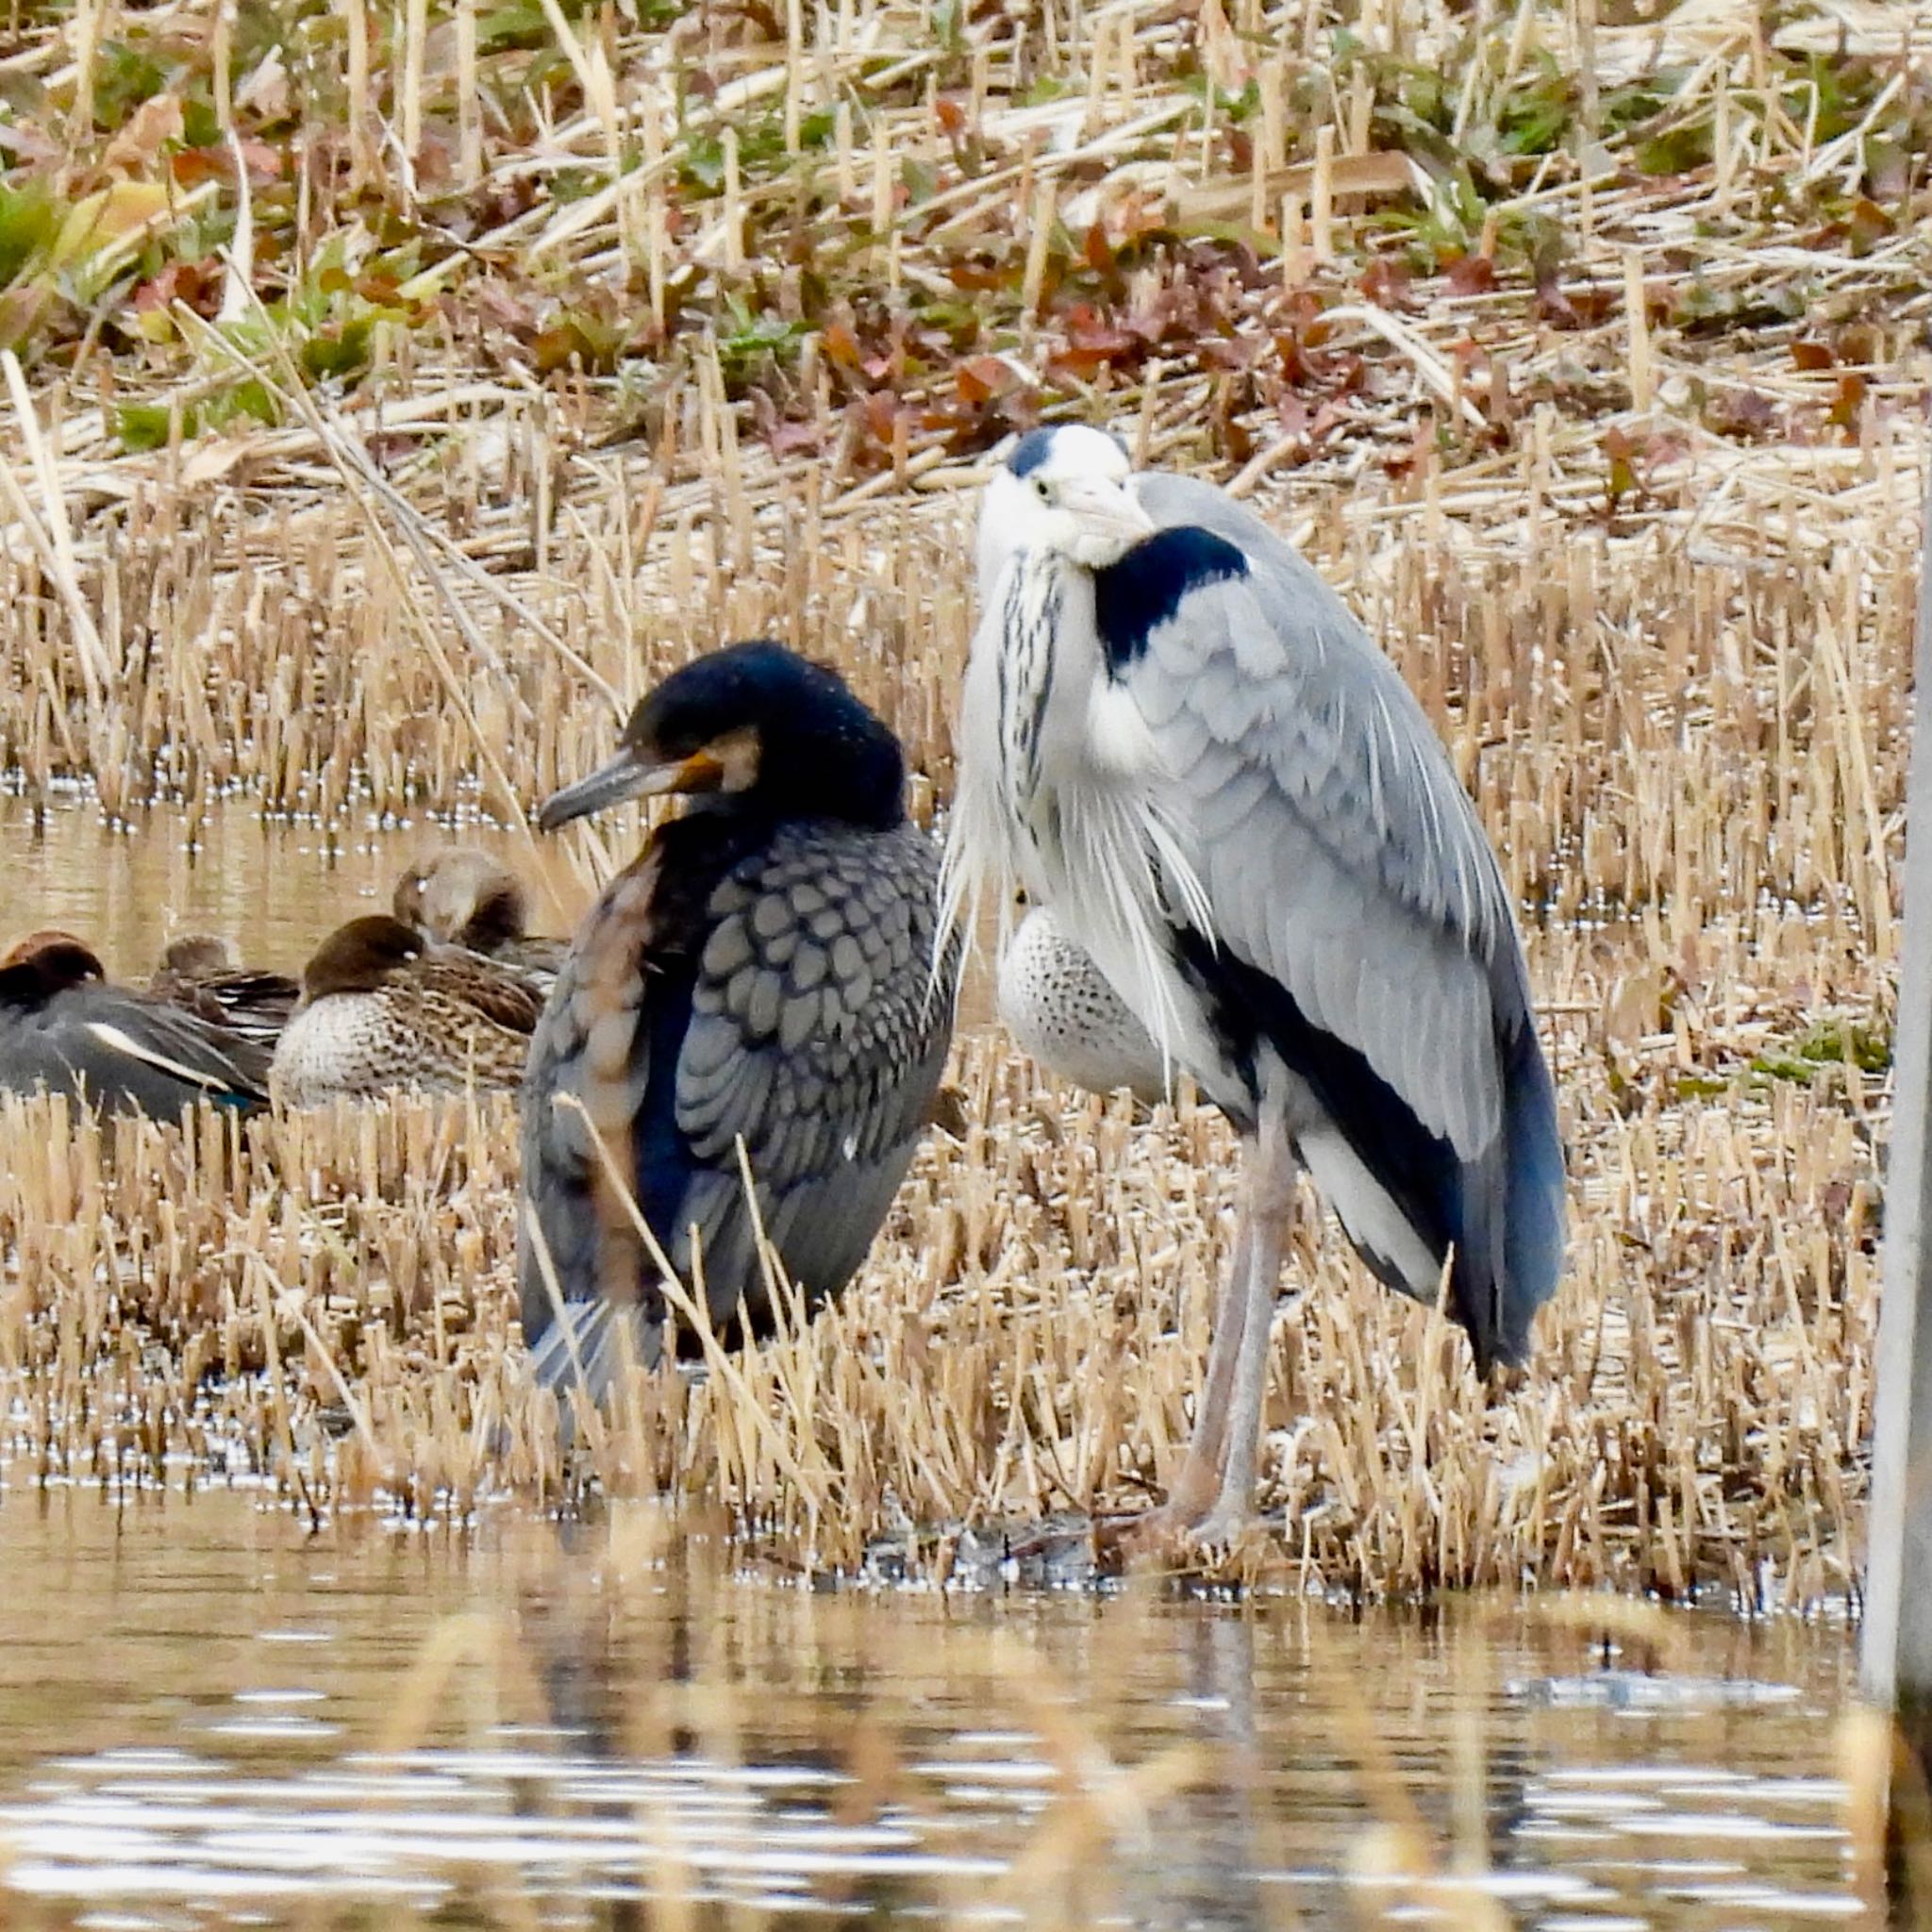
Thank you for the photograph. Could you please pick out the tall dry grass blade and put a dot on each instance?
(55, 539)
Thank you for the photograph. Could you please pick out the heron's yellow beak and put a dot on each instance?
(1107, 517)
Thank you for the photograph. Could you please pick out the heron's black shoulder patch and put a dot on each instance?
(1146, 586)
(1030, 452)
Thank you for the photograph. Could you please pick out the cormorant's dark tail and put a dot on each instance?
(589, 1350)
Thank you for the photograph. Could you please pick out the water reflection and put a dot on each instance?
(207, 1718)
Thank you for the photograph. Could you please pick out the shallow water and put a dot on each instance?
(274, 887)
(210, 1717)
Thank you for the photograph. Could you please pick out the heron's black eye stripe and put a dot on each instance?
(1030, 451)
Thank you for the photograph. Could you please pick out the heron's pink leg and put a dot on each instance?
(1198, 1480)
(1213, 1492)
(1269, 1214)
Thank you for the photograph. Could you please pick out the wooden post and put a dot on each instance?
(1897, 1655)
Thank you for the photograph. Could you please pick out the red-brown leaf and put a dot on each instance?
(1082, 364)
(264, 163)
(1740, 412)
(503, 306)
(1849, 400)
(1385, 282)
(979, 379)
(191, 166)
(196, 283)
(795, 438)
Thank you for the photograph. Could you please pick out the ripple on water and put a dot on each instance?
(409, 1827)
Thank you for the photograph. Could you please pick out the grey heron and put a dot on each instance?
(1175, 737)
(762, 972)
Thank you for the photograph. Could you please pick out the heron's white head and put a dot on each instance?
(1067, 490)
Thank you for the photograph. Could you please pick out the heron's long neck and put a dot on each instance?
(1083, 825)
(1035, 596)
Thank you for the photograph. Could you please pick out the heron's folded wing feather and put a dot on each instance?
(1337, 850)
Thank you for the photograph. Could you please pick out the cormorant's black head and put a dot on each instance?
(756, 724)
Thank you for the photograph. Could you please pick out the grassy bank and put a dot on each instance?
(396, 392)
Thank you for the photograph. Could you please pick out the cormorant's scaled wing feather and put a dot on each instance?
(816, 1041)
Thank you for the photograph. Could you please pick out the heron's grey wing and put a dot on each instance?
(1342, 859)
(1336, 849)
(1279, 648)
(815, 1040)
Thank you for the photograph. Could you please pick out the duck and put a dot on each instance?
(65, 1029)
(763, 973)
(465, 897)
(199, 974)
(382, 1007)
(1053, 999)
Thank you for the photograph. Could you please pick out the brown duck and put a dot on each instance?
(198, 973)
(464, 898)
(382, 1007)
